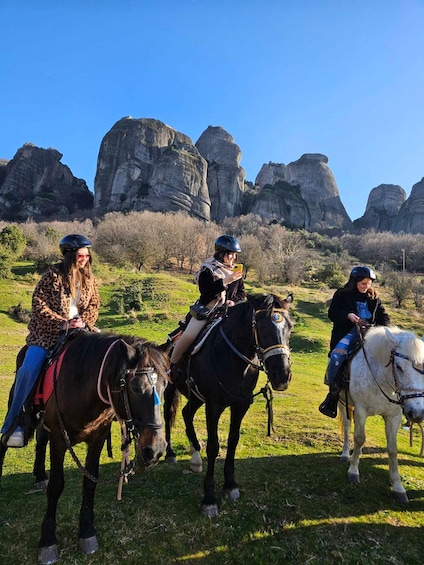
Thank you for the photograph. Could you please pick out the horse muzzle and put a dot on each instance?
(413, 408)
(150, 449)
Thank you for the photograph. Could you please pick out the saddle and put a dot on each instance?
(33, 411)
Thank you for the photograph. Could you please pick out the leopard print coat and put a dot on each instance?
(50, 307)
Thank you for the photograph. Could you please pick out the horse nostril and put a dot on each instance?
(147, 453)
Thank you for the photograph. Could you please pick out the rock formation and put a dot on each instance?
(302, 194)
(384, 203)
(143, 164)
(37, 185)
(411, 214)
(225, 177)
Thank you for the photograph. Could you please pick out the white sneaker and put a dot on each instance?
(16, 439)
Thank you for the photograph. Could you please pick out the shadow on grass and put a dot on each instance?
(293, 508)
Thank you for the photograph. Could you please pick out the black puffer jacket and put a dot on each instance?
(344, 302)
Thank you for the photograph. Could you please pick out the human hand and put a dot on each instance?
(353, 318)
(234, 276)
(230, 303)
(76, 322)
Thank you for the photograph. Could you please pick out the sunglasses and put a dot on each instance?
(82, 255)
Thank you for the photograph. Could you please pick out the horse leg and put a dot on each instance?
(189, 412)
(231, 488)
(39, 469)
(47, 546)
(87, 532)
(3, 450)
(358, 442)
(346, 421)
(392, 424)
(209, 503)
(169, 417)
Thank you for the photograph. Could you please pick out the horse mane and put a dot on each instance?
(146, 352)
(410, 345)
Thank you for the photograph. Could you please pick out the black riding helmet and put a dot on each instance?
(227, 243)
(362, 272)
(73, 242)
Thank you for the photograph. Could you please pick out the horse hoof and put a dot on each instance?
(171, 459)
(353, 478)
(41, 485)
(232, 494)
(88, 545)
(48, 555)
(209, 510)
(401, 497)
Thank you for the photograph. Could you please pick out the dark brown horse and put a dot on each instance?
(223, 373)
(102, 377)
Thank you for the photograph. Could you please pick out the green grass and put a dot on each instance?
(296, 505)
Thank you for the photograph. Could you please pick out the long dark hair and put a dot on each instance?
(350, 286)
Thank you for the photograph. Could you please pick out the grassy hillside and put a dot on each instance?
(295, 505)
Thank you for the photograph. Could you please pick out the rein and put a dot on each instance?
(262, 355)
(397, 389)
(128, 426)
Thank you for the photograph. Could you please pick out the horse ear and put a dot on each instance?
(391, 337)
(289, 298)
(128, 350)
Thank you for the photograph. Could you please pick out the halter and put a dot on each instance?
(152, 377)
(416, 393)
(130, 425)
(262, 354)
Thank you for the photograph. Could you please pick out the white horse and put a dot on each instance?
(386, 378)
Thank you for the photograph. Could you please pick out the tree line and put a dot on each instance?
(148, 241)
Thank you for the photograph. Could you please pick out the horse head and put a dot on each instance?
(273, 327)
(142, 384)
(403, 352)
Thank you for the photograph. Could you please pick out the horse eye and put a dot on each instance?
(277, 317)
(136, 386)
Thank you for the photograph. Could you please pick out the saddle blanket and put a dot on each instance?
(45, 383)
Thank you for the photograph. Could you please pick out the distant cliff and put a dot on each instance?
(35, 184)
(144, 164)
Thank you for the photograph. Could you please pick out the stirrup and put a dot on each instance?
(329, 406)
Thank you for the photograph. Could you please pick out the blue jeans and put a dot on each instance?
(26, 378)
(340, 353)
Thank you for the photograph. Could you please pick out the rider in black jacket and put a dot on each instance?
(357, 303)
(219, 285)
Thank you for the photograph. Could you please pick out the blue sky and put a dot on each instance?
(340, 77)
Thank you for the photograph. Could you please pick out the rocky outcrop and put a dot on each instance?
(384, 203)
(302, 194)
(37, 185)
(225, 177)
(411, 214)
(143, 164)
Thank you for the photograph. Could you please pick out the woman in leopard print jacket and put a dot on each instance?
(66, 297)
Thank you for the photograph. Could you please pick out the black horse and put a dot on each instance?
(101, 377)
(223, 373)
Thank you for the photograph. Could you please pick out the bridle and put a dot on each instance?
(129, 425)
(260, 353)
(416, 393)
